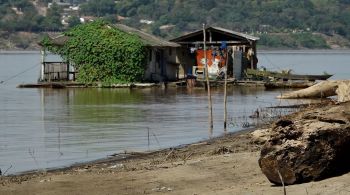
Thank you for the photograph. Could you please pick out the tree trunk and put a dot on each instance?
(322, 90)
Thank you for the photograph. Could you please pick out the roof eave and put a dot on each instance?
(222, 30)
(147, 39)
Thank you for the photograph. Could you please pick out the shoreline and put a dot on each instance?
(20, 52)
(302, 51)
(226, 164)
(272, 50)
(223, 165)
(141, 173)
(116, 157)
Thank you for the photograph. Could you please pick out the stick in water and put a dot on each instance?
(7, 170)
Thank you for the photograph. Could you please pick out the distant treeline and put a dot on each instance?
(325, 16)
(22, 15)
(264, 18)
(293, 41)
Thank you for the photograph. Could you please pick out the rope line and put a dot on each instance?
(18, 74)
(274, 65)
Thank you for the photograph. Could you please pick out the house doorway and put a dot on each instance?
(161, 64)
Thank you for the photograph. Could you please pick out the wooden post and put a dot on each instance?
(67, 70)
(255, 56)
(225, 94)
(210, 37)
(252, 62)
(208, 85)
(42, 71)
(252, 53)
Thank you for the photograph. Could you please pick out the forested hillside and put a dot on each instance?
(279, 23)
(327, 16)
(22, 15)
(265, 18)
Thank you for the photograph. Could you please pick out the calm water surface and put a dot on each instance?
(45, 128)
(335, 62)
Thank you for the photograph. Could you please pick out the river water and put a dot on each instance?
(45, 128)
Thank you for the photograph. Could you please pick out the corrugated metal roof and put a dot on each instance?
(147, 39)
(249, 37)
(59, 40)
(219, 30)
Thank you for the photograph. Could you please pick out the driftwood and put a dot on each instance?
(310, 146)
(343, 92)
(322, 90)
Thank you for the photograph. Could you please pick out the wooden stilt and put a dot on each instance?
(225, 94)
(208, 85)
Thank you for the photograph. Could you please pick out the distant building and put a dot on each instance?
(61, 4)
(143, 21)
(167, 27)
(87, 19)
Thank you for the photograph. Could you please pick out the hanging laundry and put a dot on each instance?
(223, 45)
(193, 49)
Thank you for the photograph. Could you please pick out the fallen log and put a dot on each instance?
(343, 92)
(309, 146)
(322, 90)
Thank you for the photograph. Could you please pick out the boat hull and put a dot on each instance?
(263, 75)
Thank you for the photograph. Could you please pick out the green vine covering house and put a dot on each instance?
(101, 52)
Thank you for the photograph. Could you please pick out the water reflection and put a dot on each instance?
(42, 128)
(85, 124)
(50, 128)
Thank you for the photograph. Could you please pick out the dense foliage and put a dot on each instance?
(325, 16)
(21, 15)
(99, 8)
(292, 41)
(266, 18)
(102, 53)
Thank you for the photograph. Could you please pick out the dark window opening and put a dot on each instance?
(150, 55)
(158, 58)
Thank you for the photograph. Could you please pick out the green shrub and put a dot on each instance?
(292, 40)
(310, 41)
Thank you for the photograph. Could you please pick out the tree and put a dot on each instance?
(73, 21)
(44, 2)
(99, 8)
(207, 4)
(53, 18)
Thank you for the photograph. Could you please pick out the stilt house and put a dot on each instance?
(222, 44)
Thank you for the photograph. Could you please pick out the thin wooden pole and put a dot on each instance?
(42, 70)
(148, 141)
(225, 94)
(208, 85)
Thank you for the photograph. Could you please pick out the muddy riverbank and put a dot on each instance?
(224, 165)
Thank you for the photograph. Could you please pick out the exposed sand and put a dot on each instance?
(227, 165)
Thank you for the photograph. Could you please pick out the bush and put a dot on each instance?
(310, 41)
(298, 40)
